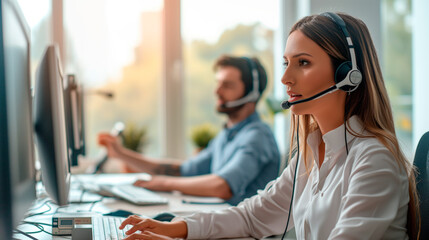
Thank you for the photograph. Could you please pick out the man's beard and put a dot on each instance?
(228, 110)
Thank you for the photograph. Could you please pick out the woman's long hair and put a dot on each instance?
(369, 101)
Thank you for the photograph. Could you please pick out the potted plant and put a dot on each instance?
(134, 137)
(202, 134)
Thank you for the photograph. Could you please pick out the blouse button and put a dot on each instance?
(321, 194)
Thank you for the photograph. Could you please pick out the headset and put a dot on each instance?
(253, 95)
(347, 78)
(347, 75)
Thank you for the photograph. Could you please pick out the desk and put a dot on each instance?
(175, 204)
(107, 205)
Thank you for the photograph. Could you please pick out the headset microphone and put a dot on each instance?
(251, 97)
(287, 104)
(352, 80)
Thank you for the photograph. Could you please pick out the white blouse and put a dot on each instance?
(362, 195)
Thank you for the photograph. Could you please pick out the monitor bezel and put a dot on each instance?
(16, 197)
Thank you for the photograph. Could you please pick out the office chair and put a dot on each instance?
(421, 161)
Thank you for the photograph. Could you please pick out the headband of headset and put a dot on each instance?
(347, 77)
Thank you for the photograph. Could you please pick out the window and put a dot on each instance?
(397, 67)
(215, 27)
(115, 47)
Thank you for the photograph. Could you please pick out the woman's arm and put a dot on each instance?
(262, 215)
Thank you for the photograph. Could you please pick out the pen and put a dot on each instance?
(194, 202)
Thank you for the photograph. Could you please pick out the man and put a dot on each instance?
(241, 159)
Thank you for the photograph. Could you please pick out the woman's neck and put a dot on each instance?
(328, 121)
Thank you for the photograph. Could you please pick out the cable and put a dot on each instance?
(81, 195)
(296, 166)
(294, 179)
(345, 126)
(40, 213)
(345, 136)
(38, 223)
(47, 232)
(39, 226)
(60, 207)
(94, 202)
(25, 234)
(41, 205)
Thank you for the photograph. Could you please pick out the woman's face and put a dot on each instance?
(308, 71)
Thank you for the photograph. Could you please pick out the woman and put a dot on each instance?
(349, 178)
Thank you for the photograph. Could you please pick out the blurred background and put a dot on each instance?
(155, 58)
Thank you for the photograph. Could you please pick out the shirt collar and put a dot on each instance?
(334, 139)
(232, 131)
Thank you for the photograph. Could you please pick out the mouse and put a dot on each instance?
(120, 213)
(164, 217)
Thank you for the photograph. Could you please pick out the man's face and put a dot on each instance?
(230, 87)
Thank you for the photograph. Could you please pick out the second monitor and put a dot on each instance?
(74, 112)
(50, 127)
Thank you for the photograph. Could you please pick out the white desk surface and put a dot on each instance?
(175, 204)
(107, 205)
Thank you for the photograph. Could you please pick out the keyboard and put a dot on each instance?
(134, 194)
(107, 227)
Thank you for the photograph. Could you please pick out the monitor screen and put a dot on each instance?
(17, 169)
(50, 127)
(73, 107)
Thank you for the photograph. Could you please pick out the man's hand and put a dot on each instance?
(134, 160)
(111, 143)
(156, 183)
(209, 185)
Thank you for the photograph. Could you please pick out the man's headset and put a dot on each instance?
(253, 95)
(347, 76)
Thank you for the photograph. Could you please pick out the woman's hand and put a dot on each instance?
(147, 235)
(146, 228)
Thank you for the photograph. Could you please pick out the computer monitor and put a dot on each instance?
(50, 127)
(17, 168)
(75, 127)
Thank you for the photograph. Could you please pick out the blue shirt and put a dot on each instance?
(245, 155)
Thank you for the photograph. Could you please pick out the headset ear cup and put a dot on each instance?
(341, 74)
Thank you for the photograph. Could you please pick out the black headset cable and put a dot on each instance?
(294, 179)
